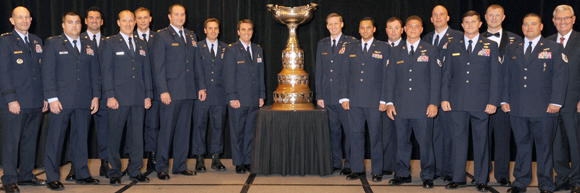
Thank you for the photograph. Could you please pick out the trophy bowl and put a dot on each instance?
(292, 15)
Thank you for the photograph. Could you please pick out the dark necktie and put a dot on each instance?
(131, 46)
(212, 52)
(75, 47)
(528, 53)
(436, 41)
(412, 51)
(333, 46)
(365, 50)
(249, 53)
(392, 44)
(95, 40)
(182, 37)
(488, 34)
(27, 44)
(562, 40)
(145, 37)
(469, 48)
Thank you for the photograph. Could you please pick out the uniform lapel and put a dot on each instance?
(123, 44)
(503, 42)
(176, 37)
(539, 48)
(477, 47)
(21, 45)
(69, 47)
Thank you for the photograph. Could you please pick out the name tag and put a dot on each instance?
(174, 44)
(400, 62)
(63, 52)
(241, 62)
(17, 52)
(352, 56)
(120, 53)
(455, 54)
(325, 53)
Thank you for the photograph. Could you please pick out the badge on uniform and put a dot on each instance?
(120, 53)
(545, 55)
(377, 56)
(341, 50)
(445, 46)
(90, 52)
(38, 49)
(325, 53)
(194, 43)
(259, 60)
(19, 61)
(484, 52)
(142, 53)
(63, 52)
(423, 58)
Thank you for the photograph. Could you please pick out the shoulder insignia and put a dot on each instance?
(541, 44)
(353, 38)
(59, 36)
(7, 33)
(158, 30)
(50, 37)
(564, 57)
(511, 38)
(485, 44)
(480, 41)
(108, 37)
(229, 45)
(439, 62)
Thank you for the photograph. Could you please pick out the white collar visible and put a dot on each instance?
(415, 45)
(534, 42)
(474, 41)
(337, 38)
(396, 42)
(566, 38)
(22, 36)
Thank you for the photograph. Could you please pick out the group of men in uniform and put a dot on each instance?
(441, 86)
(140, 86)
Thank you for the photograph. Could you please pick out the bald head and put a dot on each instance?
(126, 12)
(126, 22)
(439, 17)
(21, 19)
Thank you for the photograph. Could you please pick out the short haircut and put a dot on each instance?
(414, 17)
(210, 20)
(333, 15)
(393, 19)
(469, 14)
(245, 21)
(142, 9)
(367, 19)
(125, 11)
(563, 7)
(175, 5)
(94, 8)
(533, 15)
(70, 13)
(495, 6)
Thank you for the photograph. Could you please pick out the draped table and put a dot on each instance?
(292, 143)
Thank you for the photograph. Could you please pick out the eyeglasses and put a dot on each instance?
(558, 19)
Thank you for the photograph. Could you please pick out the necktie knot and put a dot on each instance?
(489, 34)
(562, 40)
(333, 43)
(392, 44)
(95, 37)
(365, 48)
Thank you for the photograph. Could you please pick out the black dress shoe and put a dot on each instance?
(574, 189)
(71, 174)
(377, 178)
(386, 173)
(200, 164)
(163, 176)
(240, 170)
(564, 186)
(454, 185)
(11, 188)
(345, 171)
(115, 181)
(473, 181)
(216, 164)
(88, 180)
(104, 170)
(56, 185)
(482, 187)
(126, 171)
(140, 178)
(34, 182)
(427, 184)
(247, 168)
(545, 191)
(515, 189)
(400, 180)
(448, 178)
(186, 173)
(504, 182)
(436, 176)
(151, 161)
(355, 176)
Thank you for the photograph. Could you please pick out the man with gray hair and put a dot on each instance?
(566, 146)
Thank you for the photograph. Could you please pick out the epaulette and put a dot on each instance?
(353, 38)
(229, 45)
(108, 37)
(50, 37)
(7, 33)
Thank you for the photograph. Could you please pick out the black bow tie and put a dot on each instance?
(490, 34)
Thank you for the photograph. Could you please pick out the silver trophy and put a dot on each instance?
(293, 92)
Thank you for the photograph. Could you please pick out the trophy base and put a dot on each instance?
(290, 107)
